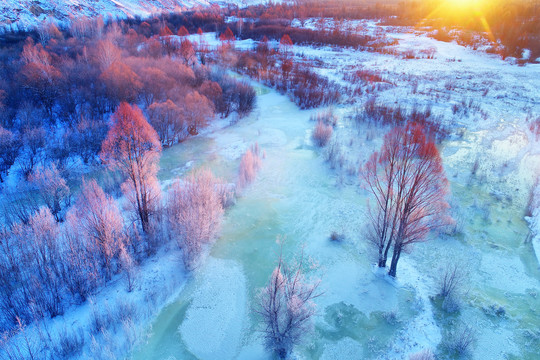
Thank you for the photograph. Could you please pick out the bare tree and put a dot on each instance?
(128, 267)
(195, 213)
(408, 183)
(9, 150)
(43, 263)
(106, 54)
(33, 142)
(133, 146)
(83, 273)
(452, 277)
(99, 222)
(52, 189)
(286, 307)
(167, 118)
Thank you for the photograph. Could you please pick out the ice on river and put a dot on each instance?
(211, 329)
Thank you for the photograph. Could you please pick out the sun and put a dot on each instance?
(462, 11)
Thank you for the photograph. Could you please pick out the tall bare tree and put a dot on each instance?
(286, 307)
(407, 181)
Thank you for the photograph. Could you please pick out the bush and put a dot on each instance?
(336, 237)
(460, 340)
(322, 134)
(249, 166)
(195, 213)
(69, 343)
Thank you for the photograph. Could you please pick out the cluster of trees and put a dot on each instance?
(276, 68)
(409, 187)
(44, 264)
(304, 9)
(48, 260)
(323, 36)
(513, 23)
(376, 113)
(66, 83)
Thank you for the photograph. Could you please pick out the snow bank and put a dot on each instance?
(213, 325)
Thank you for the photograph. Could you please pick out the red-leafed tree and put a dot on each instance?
(40, 75)
(121, 82)
(285, 44)
(199, 32)
(198, 110)
(133, 146)
(183, 31)
(227, 36)
(409, 187)
(187, 52)
(165, 31)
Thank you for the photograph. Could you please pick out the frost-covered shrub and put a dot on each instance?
(286, 308)
(249, 166)
(333, 155)
(195, 213)
(451, 279)
(426, 354)
(101, 318)
(69, 343)
(322, 134)
(327, 117)
(451, 304)
(460, 340)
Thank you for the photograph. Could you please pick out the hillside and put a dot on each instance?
(26, 14)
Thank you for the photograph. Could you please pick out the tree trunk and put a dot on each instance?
(395, 259)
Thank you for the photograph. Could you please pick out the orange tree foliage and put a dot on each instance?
(133, 146)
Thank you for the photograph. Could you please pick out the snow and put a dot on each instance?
(342, 349)
(211, 328)
(158, 281)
